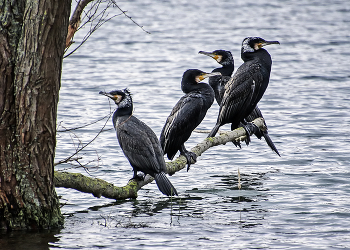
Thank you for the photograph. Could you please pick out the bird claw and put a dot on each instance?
(250, 128)
(237, 144)
(189, 157)
(138, 177)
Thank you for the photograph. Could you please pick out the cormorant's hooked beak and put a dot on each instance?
(115, 98)
(271, 42)
(206, 75)
(212, 55)
(262, 44)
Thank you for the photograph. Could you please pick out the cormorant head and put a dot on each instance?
(224, 57)
(121, 97)
(252, 44)
(196, 75)
(192, 77)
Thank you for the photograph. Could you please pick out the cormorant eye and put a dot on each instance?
(199, 78)
(117, 98)
(218, 58)
(258, 46)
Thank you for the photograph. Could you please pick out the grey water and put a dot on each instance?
(300, 200)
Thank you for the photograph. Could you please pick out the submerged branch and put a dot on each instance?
(99, 187)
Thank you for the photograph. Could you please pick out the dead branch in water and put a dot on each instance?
(99, 187)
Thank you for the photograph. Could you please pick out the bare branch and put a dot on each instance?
(68, 160)
(100, 187)
(124, 12)
(91, 15)
(95, 186)
(86, 125)
(79, 149)
(75, 20)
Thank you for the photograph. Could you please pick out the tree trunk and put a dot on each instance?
(32, 42)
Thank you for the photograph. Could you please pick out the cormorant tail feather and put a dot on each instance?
(214, 131)
(270, 143)
(164, 185)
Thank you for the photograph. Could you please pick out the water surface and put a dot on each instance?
(297, 201)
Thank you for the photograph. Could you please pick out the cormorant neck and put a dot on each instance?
(262, 55)
(121, 111)
(225, 70)
(186, 86)
(189, 87)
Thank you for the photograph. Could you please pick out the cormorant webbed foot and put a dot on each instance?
(189, 156)
(250, 128)
(237, 143)
(258, 133)
(138, 177)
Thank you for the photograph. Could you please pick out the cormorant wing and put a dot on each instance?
(241, 93)
(141, 146)
(221, 92)
(186, 115)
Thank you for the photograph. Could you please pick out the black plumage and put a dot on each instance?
(139, 143)
(187, 114)
(224, 57)
(247, 86)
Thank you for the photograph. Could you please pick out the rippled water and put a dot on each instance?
(297, 201)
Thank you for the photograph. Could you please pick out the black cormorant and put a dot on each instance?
(224, 57)
(187, 114)
(139, 143)
(247, 86)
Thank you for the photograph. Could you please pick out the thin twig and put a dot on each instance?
(75, 21)
(84, 146)
(83, 126)
(92, 15)
(124, 12)
(68, 160)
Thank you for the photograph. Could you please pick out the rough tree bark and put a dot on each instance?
(32, 42)
(99, 187)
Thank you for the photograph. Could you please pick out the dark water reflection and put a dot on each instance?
(40, 240)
